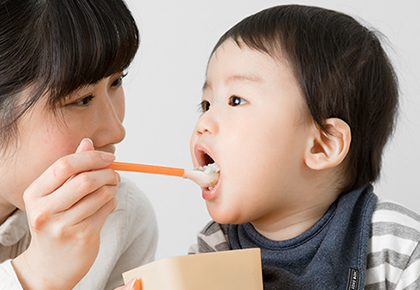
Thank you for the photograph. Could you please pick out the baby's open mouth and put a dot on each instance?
(208, 169)
(204, 159)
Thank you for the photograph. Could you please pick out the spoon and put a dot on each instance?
(205, 176)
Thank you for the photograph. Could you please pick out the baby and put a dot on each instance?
(298, 104)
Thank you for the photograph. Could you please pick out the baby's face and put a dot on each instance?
(254, 128)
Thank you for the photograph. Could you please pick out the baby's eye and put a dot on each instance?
(205, 106)
(236, 101)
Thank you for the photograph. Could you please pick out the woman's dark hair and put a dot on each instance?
(343, 73)
(55, 47)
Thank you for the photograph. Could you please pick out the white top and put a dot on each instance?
(128, 240)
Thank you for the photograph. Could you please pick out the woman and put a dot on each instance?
(66, 221)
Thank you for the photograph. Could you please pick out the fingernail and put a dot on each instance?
(108, 157)
(80, 147)
(87, 139)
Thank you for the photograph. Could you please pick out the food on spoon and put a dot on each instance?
(205, 176)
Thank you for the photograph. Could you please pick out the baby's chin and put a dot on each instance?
(225, 215)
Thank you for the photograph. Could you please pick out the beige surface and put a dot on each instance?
(230, 270)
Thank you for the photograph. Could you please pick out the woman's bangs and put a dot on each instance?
(88, 44)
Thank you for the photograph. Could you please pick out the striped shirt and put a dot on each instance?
(393, 259)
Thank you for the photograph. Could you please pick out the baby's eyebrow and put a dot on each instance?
(236, 77)
(243, 77)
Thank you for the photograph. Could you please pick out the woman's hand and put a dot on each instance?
(67, 207)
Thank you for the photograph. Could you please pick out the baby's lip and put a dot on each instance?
(203, 155)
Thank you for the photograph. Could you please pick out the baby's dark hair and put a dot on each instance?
(55, 47)
(342, 70)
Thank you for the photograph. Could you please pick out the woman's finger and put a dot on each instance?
(85, 145)
(80, 186)
(90, 204)
(92, 225)
(64, 168)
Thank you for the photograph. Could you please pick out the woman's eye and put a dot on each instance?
(84, 101)
(118, 82)
(236, 101)
(205, 106)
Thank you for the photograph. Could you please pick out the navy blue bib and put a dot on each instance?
(330, 255)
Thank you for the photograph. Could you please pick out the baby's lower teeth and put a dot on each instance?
(211, 187)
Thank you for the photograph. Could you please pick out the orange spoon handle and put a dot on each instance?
(122, 166)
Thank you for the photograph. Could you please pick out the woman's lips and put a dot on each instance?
(109, 149)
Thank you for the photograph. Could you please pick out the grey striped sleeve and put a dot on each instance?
(392, 206)
(393, 261)
(213, 238)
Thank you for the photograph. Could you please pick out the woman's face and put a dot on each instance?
(95, 111)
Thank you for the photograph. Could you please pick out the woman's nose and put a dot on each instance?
(110, 116)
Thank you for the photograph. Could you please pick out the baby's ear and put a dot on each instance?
(328, 149)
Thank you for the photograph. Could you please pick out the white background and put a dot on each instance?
(163, 90)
